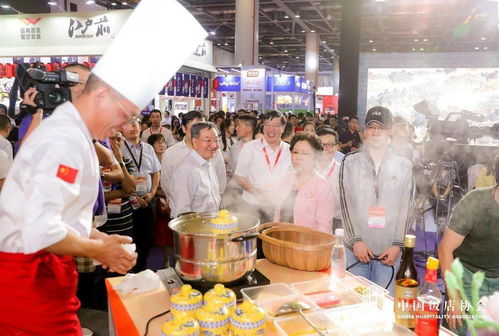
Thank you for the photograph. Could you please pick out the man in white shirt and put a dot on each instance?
(196, 184)
(174, 155)
(245, 130)
(5, 164)
(262, 165)
(329, 167)
(46, 211)
(147, 176)
(5, 128)
(156, 128)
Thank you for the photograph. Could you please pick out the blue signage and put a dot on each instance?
(229, 83)
(283, 83)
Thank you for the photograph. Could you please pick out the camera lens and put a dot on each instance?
(55, 97)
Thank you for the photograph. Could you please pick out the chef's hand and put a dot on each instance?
(454, 313)
(113, 256)
(362, 252)
(389, 257)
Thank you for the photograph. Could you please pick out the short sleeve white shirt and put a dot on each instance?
(263, 167)
(52, 185)
(144, 158)
(6, 146)
(5, 164)
(167, 134)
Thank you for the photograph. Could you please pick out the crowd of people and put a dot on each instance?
(311, 170)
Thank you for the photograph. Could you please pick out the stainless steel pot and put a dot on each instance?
(203, 255)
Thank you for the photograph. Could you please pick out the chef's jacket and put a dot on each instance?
(52, 185)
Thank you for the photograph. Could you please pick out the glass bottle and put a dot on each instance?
(406, 286)
(429, 299)
(338, 258)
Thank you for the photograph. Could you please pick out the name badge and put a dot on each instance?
(141, 185)
(377, 217)
(114, 206)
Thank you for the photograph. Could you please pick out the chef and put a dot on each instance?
(47, 200)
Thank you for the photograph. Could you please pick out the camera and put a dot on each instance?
(53, 87)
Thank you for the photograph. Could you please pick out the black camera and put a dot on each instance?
(53, 87)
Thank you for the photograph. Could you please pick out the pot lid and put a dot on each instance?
(214, 223)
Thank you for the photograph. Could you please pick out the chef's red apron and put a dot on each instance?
(38, 295)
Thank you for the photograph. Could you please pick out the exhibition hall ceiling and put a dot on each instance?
(389, 26)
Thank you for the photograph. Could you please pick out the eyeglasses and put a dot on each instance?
(328, 144)
(209, 141)
(375, 128)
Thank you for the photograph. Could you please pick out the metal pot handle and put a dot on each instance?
(246, 237)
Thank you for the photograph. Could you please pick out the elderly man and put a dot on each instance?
(195, 188)
(46, 211)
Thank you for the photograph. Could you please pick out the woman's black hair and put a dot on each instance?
(312, 139)
(225, 126)
(153, 138)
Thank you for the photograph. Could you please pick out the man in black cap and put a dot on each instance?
(375, 196)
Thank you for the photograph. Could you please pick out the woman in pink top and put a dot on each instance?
(306, 197)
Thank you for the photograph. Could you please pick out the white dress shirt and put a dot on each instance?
(145, 160)
(234, 152)
(167, 134)
(37, 205)
(171, 160)
(263, 174)
(6, 146)
(5, 164)
(195, 187)
(332, 174)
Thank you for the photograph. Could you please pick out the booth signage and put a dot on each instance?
(229, 83)
(283, 83)
(253, 89)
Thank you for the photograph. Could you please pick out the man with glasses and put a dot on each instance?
(329, 167)
(46, 209)
(196, 184)
(375, 194)
(261, 166)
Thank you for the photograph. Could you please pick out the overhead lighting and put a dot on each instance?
(52, 3)
(297, 57)
(325, 50)
(124, 3)
(286, 50)
(286, 16)
(5, 6)
(476, 48)
(213, 33)
(312, 31)
(416, 40)
(226, 43)
(271, 42)
(421, 49)
(303, 31)
(374, 49)
(425, 40)
(323, 41)
(219, 44)
(90, 2)
(413, 49)
(297, 16)
(371, 41)
(485, 48)
(484, 38)
(113, 3)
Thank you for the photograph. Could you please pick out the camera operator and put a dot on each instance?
(473, 237)
(35, 115)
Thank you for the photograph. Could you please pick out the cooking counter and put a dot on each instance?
(128, 314)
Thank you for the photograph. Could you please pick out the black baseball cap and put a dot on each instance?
(380, 115)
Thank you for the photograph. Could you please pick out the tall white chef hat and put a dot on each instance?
(160, 34)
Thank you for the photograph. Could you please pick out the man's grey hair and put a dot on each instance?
(198, 127)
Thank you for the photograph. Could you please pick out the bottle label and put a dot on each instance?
(427, 319)
(405, 298)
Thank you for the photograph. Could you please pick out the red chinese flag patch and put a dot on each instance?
(67, 174)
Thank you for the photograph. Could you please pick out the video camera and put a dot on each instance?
(52, 87)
